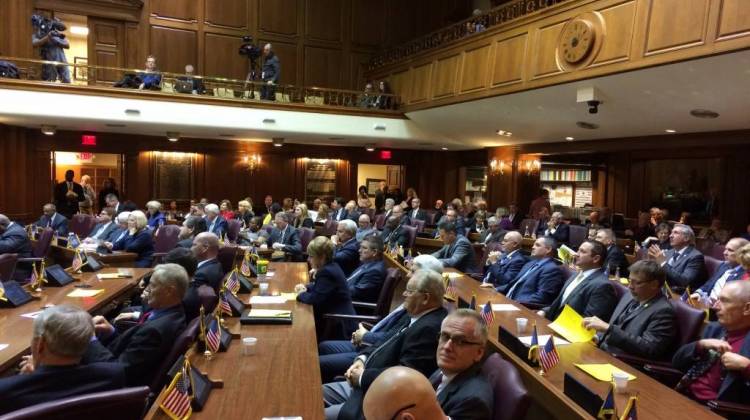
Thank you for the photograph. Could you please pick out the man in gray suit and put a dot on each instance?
(494, 233)
(683, 263)
(457, 251)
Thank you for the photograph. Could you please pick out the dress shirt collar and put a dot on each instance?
(588, 273)
(158, 313)
(202, 263)
(416, 317)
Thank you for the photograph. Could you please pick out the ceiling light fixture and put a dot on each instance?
(670, 131)
(269, 121)
(704, 113)
(278, 141)
(370, 147)
(49, 130)
(569, 138)
(587, 125)
(504, 133)
(173, 136)
(443, 148)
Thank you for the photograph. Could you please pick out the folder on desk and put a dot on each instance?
(568, 325)
(266, 316)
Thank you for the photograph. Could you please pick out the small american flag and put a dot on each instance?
(77, 261)
(245, 267)
(213, 336)
(487, 314)
(233, 283)
(450, 290)
(177, 402)
(630, 412)
(33, 279)
(224, 304)
(548, 357)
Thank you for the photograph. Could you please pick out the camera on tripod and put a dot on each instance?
(52, 27)
(248, 49)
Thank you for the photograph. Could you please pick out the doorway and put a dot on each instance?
(98, 166)
(370, 176)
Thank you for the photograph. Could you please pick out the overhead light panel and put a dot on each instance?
(278, 141)
(370, 147)
(269, 121)
(443, 148)
(173, 136)
(569, 138)
(49, 130)
(670, 131)
(704, 113)
(379, 127)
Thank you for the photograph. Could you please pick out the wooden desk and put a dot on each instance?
(15, 330)
(655, 401)
(282, 378)
(64, 256)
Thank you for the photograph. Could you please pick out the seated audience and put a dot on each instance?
(313, 211)
(54, 371)
(327, 291)
(121, 231)
(112, 200)
(244, 212)
(209, 271)
(285, 238)
(457, 252)
(253, 235)
(366, 280)
(150, 78)
(271, 215)
(302, 217)
(366, 99)
(225, 209)
(413, 344)
(589, 292)
(398, 211)
(616, 260)
(544, 218)
(351, 211)
(191, 227)
(462, 391)
(388, 207)
(142, 348)
(714, 232)
(452, 216)
(346, 252)
(52, 219)
(338, 212)
(683, 263)
(557, 229)
(503, 268)
(215, 223)
(324, 213)
(514, 215)
(643, 324)
(656, 217)
(364, 227)
(643, 229)
(729, 270)
(394, 235)
(155, 217)
(493, 233)
(718, 366)
(540, 280)
(104, 227)
(401, 393)
(478, 224)
(416, 213)
(138, 240)
(193, 85)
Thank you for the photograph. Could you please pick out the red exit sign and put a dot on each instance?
(88, 140)
(85, 156)
(385, 154)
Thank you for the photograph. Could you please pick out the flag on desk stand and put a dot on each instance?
(534, 347)
(77, 261)
(233, 283)
(245, 267)
(213, 335)
(630, 412)
(177, 401)
(487, 314)
(473, 303)
(548, 357)
(450, 290)
(608, 411)
(224, 306)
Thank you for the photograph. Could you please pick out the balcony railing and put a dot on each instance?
(465, 28)
(203, 86)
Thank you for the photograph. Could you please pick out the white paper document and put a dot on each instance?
(3, 346)
(267, 300)
(504, 307)
(543, 340)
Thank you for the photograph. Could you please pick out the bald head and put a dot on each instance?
(4, 222)
(733, 306)
(512, 241)
(401, 393)
(205, 246)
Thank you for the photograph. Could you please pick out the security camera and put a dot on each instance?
(593, 106)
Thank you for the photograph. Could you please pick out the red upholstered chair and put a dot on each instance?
(419, 224)
(379, 221)
(620, 290)
(82, 224)
(492, 246)
(226, 257)
(511, 397)
(712, 264)
(7, 266)
(431, 214)
(578, 234)
(165, 239)
(233, 230)
(305, 236)
(39, 252)
(531, 224)
(717, 251)
(179, 347)
(412, 231)
(329, 228)
(122, 404)
(208, 298)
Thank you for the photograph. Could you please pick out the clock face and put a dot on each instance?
(577, 41)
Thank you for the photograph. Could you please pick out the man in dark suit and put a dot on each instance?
(503, 268)
(540, 280)
(380, 196)
(118, 236)
(589, 292)
(104, 226)
(190, 83)
(718, 366)
(112, 201)
(514, 215)
(270, 73)
(346, 253)
(284, 237)
(643, 324)
(206, 250)
(452, 216)
(52, 219)
(338, 212)
(557, 229)
(683, 263)
(351, 211)
(67, 195)
(413, 345)
(143, 347)
(14, 240)
(457, 252)
(730, 270)
(616, 260)
(416, 213)
(493, 233)
(214, 222)
(53, 371)
(191, 227)
(366, 280)
(393, 234)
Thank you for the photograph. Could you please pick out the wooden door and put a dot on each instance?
(106, 48)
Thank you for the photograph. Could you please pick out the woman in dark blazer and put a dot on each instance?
(327, 291)
(302, 217)
(139, 240)
(156, 218)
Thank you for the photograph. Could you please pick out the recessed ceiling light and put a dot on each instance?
(173, 136)
(226, 135)
(504, 133)
(49, 130)
(132, 112)
(587, 125)
(370, 147)
(704, 113)
(269, 121)
(443, 148)
(670, 131)
(278, 141)
(500, 132)
(112, 125)
(569, 138)
(380, 127)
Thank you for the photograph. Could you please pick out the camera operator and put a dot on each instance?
(51, 41)
(269, 74)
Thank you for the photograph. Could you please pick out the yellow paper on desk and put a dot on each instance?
(82, 293)
(288, 296)
(109, 276)
(568, 325)
(265, 313)
(454, 275)
(602, 371)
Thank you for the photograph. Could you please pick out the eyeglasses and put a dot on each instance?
(458, 340)
(409, 292)
(402, 409)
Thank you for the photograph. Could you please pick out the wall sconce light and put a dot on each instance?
(531, 166)
(497, 166)
(252, 162)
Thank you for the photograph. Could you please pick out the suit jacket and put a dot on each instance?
(141, 348)
(106, 232)
(709, 285)
(271, 69)
(329, 294)
(185, 243)
(688, 270)
(515, 219)
(395, 237)
(505, 270)
(594, 296)
(468, 396)
(734, 388)
(64, 206)
(561, 234)
(59, 223)
(117, 234)
(142, 243)
(459, 255)
(616, 259)
(339, 214)
(15, 241)
(413, 346)
(386, 327)
(158, 219)
(210, 274)
(219, 226)
(49, 383)
(366, 281)
(347, 256)
(497, 236)
(292, 243)
(541, 286)
(649, 331)
(421, 215)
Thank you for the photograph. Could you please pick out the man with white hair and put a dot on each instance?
(216, 224)
(683, 263)
(364, 227)
(53, 371)
(143, 347)
(121, 232)
(388, 208)
(346, 254)
(558, 229)
(270, 73)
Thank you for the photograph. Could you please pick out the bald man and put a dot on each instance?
(52, 219)
(206, 250)
(14, 240)
(402, 393)
(503, 268)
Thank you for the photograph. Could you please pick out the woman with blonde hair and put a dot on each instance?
(302, 217)
(138, 240)
(323, 212)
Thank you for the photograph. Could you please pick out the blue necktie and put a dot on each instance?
(520, 281)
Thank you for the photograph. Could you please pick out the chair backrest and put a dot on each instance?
(393, 277)
(121, 404)
(620, 290)
(511, 397)
(369, 212)
(7, 266)
(329, 228)
(412, 232)
(430, 219)
(492, 246)
(305, 236)
(226, 257)
(419, 224)
(689, 322)
(566, 271)
(41, 249)
(179, 347)
(166, 238)
(233, 230)
(712, 264)
(208, 297)
(528, 224)
(380, 221)
(268, 228)
(578, 234)
(82, 224)
(716, 251)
